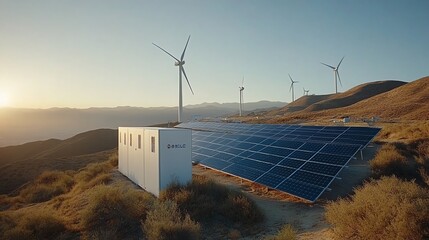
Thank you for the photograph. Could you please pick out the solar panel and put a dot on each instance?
(299, 160)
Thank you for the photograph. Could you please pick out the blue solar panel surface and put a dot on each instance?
(299, 160)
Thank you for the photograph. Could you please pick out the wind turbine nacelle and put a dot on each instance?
(179, 63)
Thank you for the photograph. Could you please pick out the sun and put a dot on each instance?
(4, 99)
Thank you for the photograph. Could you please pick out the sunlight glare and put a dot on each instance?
(4, 99)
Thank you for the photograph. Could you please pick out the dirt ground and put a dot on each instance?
(281, 209)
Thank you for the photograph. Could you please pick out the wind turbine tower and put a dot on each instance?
(291, 87)
(241, 98)
(180, 63)
(336, 74)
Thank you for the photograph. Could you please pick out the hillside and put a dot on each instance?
(300, 104)
(20, 164)
(407, 102)
(313, 103)
(354, 95)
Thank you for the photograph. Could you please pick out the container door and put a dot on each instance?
(123, 151)
(151, 161)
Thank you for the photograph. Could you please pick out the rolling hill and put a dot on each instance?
(22, 163)
(313, 103)
(408, 102)
(385, 99)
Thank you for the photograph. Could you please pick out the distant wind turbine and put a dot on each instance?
(241, 98)
(335, 73)
(180, 63)
(305, 92)
(291, 87)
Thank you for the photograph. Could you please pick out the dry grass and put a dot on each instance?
(388, 208)
(204, 199)
(36, 224)
(92, 175)
(165, 221)
(47, 186)
(408, 131)
(116, 210)
(287, 232)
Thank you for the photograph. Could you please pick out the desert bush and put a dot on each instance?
(203, 198)
(404, 131)
(116, 210)
(200, 198)
(48, 185)
(287, 232)
(392, 160)
(39, 224)
(240, 208)
(93, 174)
(165, 221)
(388, 208)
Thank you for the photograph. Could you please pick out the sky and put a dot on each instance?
(99, 53)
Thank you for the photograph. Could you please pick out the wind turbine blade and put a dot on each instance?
(328, 65)
(291, 85)
(184, 50)
(242, 82)
(166, 52)
(339, 79)
(290, 78)
(340, 62)
(183, 70)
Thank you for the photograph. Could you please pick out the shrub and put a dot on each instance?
(40, 224)
(92, 175)
(287, 232)
(391, 160)
(46, 186)
(203, 198)
(116, 210)
(165, 221)
(388, 208)
(240, 208)
(200, 198)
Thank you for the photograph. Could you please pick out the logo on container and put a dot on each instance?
(170, 146)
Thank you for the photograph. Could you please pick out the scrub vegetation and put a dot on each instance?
(92, 203)
(395, 203)
(388, 208)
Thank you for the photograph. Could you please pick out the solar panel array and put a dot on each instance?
(299, 160)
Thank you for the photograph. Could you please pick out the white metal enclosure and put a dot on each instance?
(155, 157)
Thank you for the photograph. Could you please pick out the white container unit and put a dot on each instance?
(155, 157)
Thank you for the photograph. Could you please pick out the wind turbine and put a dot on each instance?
(305, 92)
(291, 87)
(180, 63)
(241, 97)
(335, 73)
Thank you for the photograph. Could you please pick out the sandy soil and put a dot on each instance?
(281, 209)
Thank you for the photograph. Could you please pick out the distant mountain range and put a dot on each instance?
(18, 125)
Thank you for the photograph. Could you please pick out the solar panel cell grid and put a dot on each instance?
(299, 160)
(292, 163)
(321, 168)
(281, 171)
(300, 189)
(269, 179)
(312, 178)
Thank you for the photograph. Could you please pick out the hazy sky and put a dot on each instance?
(99, 53)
